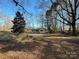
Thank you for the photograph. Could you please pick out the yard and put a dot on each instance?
(38, 46)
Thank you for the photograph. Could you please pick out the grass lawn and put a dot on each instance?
(35, 46)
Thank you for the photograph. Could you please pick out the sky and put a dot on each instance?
(8, 9)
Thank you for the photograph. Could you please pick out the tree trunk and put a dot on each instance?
(63, 26)
(73, 29)
(70, 27)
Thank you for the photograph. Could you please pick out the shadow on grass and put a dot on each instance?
(9, 43)
(14, 46)
(48, 51)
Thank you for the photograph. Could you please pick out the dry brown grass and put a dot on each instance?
(37, 47)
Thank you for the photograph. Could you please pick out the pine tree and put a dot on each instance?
(19, 23)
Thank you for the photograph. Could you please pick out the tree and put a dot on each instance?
(65, 9)
(51, 22)
(19, 23)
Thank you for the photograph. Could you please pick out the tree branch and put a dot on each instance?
(63, 17)
(71, 6)
(51, 1)
(76, 3)
(66, 8)
(17, 3)
(77, 18)
(62, 21)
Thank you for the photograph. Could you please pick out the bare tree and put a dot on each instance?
(67, 8)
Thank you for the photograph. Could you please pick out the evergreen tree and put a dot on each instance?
(19, 23)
